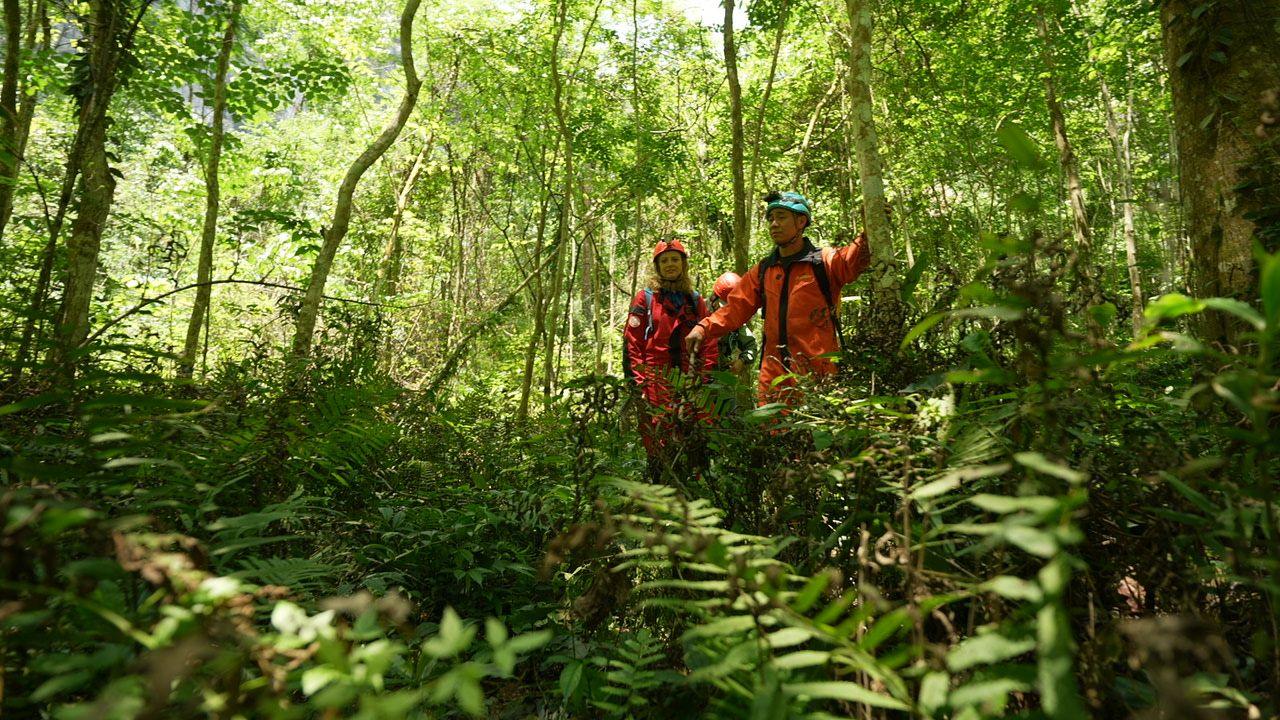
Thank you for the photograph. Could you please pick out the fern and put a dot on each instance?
(300, 574)
(630, 675)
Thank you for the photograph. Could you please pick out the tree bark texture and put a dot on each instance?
(1124, 185)
(209, 232)
(1080, 230)
(9, 110)
(887, 311)
(341, 221)
(108, 33)
(1224, 71)
(741, 228)
(757, 132)
(561, 104)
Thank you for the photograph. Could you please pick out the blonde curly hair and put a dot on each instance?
(681, 284)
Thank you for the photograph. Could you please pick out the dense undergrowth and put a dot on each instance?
(1019, 521)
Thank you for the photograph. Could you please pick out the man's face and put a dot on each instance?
(670, 265)
(785, 225)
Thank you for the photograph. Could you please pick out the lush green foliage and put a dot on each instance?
(1016, 503)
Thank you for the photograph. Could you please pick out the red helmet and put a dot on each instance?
(725, 285)
(664, 245)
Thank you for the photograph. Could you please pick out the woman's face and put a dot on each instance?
(670, 265)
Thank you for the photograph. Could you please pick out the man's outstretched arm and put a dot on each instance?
(738, 309)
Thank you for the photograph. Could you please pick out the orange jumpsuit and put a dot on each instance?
(798, 326)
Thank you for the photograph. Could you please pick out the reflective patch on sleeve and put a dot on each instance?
(633, 321)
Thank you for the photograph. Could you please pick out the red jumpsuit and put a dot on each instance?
(798, 329)
(655, 348)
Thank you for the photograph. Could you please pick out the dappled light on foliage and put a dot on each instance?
(341, 373)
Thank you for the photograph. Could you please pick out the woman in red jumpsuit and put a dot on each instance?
(661, 316)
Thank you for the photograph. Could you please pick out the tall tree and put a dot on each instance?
(741, 228)
(108, 33)
(1224, 75)
(341, 221)
(9, 108)
(209, 232)
(886, 282)
(1120, 146)
(1080, 229)
(757, 130)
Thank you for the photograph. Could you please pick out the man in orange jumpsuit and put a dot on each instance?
(797, 287)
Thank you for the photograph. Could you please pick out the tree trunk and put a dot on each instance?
(540, 314)
(1075, 189)
(887, 311)
(1226, 153)
(741, 229)
(757, 132)
(337, 230)
(393, 252)
(108, 33)
(1124, 184)
(204, 270)
(561, 107)
(9, 110)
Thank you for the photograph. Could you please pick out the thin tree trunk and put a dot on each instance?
(741, 229)
(1124, 183)
(1226, 153)
(561, 104)
(454, 357)
(1070, 166)
(337, 230)
(9, 152)
(808, 132)
(1080, 229)
(209, 233)
(108, 33)
(392, 253)
(757, 133)
(539, 318)
(888, 311)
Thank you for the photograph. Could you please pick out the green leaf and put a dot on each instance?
(1056, 666)
(1018, 144)
(1040, 463)
(495, 632)
(1004, 504)
(933, 692)
(1195, 496)
(788, 637)
(801, 659)
(1013, 588)
(846, 691)
(570, 679)
(1032, 540)
(986, 649)
(61, 684)
(1242, 310)
(912, 278)
(732, 625)
(995, 312)
(921, 328)
(1269, 284)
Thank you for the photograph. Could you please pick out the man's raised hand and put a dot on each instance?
(693, 341)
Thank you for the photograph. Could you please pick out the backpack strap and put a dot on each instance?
(648, 313)
(814, 258)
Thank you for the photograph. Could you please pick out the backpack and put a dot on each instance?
(814, 258)
(648, 330)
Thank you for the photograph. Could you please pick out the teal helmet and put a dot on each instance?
(793, 201)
